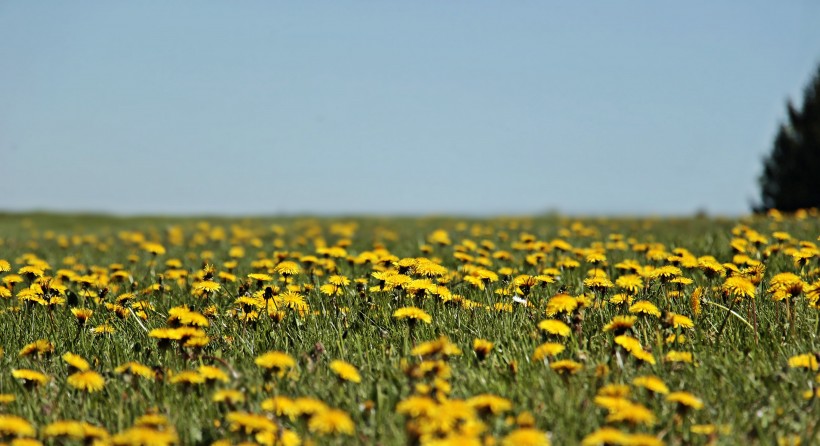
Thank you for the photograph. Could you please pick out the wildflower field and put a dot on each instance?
(430, 331)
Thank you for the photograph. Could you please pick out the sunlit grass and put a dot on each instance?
(409, 331)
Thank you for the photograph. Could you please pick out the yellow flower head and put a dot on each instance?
(739, 287)
(89, 381)
(331, 422)
(482, 348)
(645, 307)
(546, 350)
(76, 362)
(276, 362)
(412, 313)
(554, 327)
(685, 399)
(651, 383)
(345, 371)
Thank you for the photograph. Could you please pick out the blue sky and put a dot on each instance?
(249, 107)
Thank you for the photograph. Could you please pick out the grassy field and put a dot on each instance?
(509, 331)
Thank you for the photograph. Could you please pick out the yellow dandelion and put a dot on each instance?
(606, 436)
(526, 437)
(280, 406)
(229, 396)
(417, 406)
(275, 362)
(76, 362)
(39, 347)
(738, 287)
(806, 361)
(212, 374)
(685, 399)
(645, 307)
(547, 350)
(620, 324)
(287, 268)
(679, 321)
(249, 422)
(441, 346)
(561, 303)
(489, 403)
(554, 327)
(676, 356)
(345, 371)
(88, 381)
(187, 377)
(482, 348)
(651, 383)
(331, 422)
(135, 369)
(567, 366)
(12, 425)
(413, 314)
(30, 377)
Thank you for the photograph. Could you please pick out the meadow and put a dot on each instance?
(421, 331)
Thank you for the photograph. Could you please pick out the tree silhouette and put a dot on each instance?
(791, 172)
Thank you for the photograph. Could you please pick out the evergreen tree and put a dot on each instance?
(791, 172)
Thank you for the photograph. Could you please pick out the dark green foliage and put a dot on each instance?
(790, 173)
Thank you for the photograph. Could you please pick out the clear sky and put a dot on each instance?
(262, 107)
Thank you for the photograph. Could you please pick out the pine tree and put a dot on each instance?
(791, 172)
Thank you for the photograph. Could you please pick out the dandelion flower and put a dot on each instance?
(207, 286)
(645, 307)
(526, 437)
(89, 381)
(15, 426)
(330, 422)
(230, 396)
(212, 374)
(280, 406)
(566, 366)
(620, 324)
(135, 369)
(276, 362)
(632, 413)
(287, 268)
(412, 313)
(75, 430)
(606, 436)
(40, 347)
(441, 346)
(554, 327)
(30, 377)
(651, 383)
(76, 362)
(306, 406)
(416, 406)
(806, 361)
(482, 348)
(345, 371)
(488, 403)
(546, 350)
(676, 356)
(139, 435)
(249, 422)
(685, 399)
(679, 321)
(631, 283)
(561, 303)
(739, 287)
(628, 343)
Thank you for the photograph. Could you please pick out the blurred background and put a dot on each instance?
(396, 107)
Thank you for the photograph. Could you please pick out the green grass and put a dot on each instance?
(746, 385)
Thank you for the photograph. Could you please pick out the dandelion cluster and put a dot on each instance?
(508, 331)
